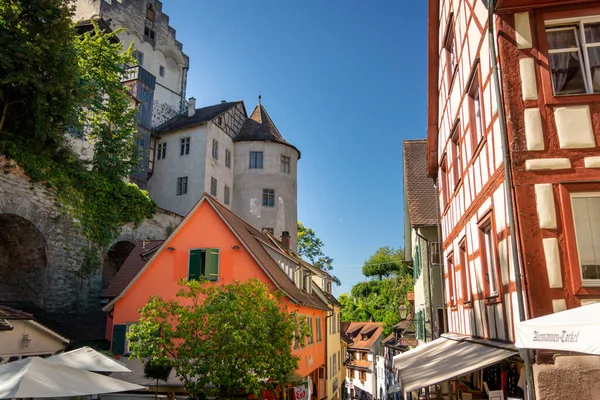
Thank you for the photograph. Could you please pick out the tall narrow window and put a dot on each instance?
(184, 146)
(318, 323)
(139, 56)
(435, 252)
(182, 185)
(450, 279)
(150, 13)
(161, 70)
(476, 117)
(586, 216)
(215, 149)
(456, 161)
(465, 272)
(488, 257)
(268, 198)
(256, 160)
(450, 47)
(444, 181)
(213, 186)
(161, 152)
(309, 321)
(285, 164)
(227, 158)
(226, 195)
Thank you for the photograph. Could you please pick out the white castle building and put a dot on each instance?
(242, 161)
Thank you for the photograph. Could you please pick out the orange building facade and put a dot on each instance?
(231, 250)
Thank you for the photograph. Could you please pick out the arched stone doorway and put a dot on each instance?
(23, 261)
(114, 259)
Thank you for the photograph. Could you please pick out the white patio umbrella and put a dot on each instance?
(572, 330)
(36, 377)
(88, 359)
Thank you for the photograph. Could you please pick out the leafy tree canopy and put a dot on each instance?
(385, 262)
(379, 297)
(310, 247)
(236, 338)
(53, 81)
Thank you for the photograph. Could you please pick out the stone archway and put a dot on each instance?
(114, 259)
(23, 262)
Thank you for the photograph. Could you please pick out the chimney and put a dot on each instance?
(285, 239)
(191, 107)
(372, 318)
(223, 101)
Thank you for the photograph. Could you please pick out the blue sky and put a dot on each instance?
(343, 80)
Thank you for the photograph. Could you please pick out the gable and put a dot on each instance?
(202, 229)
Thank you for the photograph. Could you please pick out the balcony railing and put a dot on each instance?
(139, 73)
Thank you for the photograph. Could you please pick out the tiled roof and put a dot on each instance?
(131, 267)
(200, 116)
(250, 236)
(418, 187)
(260, 127)
(356, 330)
(7, 313)
(138, 258)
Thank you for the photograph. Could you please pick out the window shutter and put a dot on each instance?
(211, 271)
(118, 341)
(195, 264)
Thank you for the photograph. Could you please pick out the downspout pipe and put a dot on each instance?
(529, 393)
(433, 335)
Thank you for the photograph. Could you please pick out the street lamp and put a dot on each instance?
(403, 311)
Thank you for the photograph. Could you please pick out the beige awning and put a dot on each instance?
(446, 358)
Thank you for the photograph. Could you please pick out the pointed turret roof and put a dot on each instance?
(260, 127)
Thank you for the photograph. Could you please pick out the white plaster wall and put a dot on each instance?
(216, 168)
(381, 387)
(42, 343)
(162, 186)
(249, 185)
(334, 347)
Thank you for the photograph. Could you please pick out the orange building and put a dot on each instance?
(214, 242)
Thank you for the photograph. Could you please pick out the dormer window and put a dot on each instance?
(328, 287)
(364, 337)
(150, 13)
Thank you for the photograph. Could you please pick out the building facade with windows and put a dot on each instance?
(361, 358)
(545, 122)
(421, 240)
(215, 243)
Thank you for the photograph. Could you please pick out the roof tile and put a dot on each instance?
(201, 115)
(356, 329)
(419, 188)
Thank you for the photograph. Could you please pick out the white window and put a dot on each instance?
(227, 195)
(227, 158)
(161, 151)
(213, 186)
(184, 146)
(490, 260)
(574, 55)
(182, 185)
(586, 215)
(215, 149)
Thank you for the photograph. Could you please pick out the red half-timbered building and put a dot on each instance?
(548, 110)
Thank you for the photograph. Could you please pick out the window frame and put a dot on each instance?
(184, 146)
(285, 164)
(254, 160)
(587, 283)
(203, 264)
(269, 200)
(455, 142)
(450, 51)
(227, 195)
(213, 186)
(161, 70)
(451, 276)
(487, 224)
(309, 321)
(445, 181)
(183, 182)
(318, 329)
(476, 125)
(228, 158)
(161, 150)
(215, 149)
(465, 273)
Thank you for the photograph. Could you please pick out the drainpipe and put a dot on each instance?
(433, 335)
(529, 394)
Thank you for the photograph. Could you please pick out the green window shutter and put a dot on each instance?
(211, 271)
(118, 341)
(195, 265)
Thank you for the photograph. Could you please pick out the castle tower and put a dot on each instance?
(265, 177)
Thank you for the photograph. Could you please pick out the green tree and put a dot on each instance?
(379, 297)
(236, 338)
(53, 81)
(310, 247)
(385, 262)
(157, 369)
